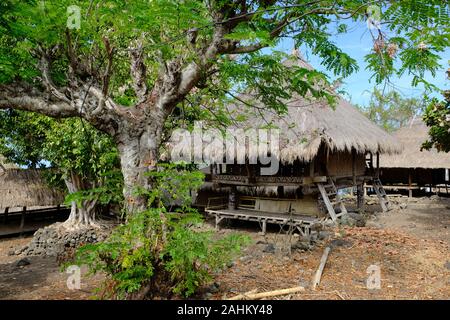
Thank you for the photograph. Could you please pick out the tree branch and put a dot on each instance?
(25, 101)
(44, 66)
(108, 71)
(138, 70)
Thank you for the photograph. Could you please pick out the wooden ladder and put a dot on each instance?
(381, 193)
(331, 199)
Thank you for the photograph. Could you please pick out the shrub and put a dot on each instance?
(158, 252)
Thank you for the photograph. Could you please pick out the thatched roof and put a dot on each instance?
(412, 137)
(309, 123)
(26, 188)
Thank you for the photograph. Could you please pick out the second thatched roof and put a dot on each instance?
(412, 137)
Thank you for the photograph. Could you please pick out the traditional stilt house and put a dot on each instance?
(416, 171)
(22, 189)
(321, 150)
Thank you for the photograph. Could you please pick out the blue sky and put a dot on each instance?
(357, 43)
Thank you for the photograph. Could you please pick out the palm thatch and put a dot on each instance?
(412, 137)
(311, 123)
(26, 188)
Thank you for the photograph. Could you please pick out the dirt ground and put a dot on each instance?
(42, 279)
(410, 245)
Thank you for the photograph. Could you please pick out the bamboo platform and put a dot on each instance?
(300, 222)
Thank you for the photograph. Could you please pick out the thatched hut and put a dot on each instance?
(321, 149)
(26, 188)
(414, 168)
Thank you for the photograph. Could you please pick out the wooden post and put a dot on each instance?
(354, 169)
(5, 217)
(311, 168)
(218, 219)
(280, 191)
(378, 165)
(360, 197)
(264, 227)
(409, 183)
(232, 198)
(22, 219)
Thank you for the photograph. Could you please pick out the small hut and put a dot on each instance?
(25, 188)
(415, 170)
(321, 150)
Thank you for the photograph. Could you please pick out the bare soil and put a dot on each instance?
(410, 245)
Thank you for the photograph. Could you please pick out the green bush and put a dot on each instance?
(159, 252)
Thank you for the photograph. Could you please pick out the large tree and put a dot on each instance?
(132, 63)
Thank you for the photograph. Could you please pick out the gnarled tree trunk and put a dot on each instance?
(138, 151)
(81, 216)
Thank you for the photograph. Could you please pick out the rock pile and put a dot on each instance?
(55, 240)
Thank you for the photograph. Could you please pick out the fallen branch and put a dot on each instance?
(323, 261)
(261, 295)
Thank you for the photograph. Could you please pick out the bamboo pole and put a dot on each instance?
(269, 294)
(323, 261)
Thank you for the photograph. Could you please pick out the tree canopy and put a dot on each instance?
(437, 117)
(390, 110)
